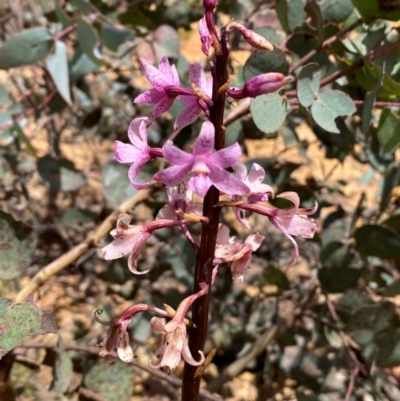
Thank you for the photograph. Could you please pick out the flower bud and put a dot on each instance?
(259, 85)
(210, 4)
(254, 39)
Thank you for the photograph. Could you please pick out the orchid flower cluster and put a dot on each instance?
(196, 172)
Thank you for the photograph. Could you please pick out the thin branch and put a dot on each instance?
(76, 252)
(174, 381)
(350, 388)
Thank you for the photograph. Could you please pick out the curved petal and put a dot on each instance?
(200, 183)
(175, 76)
(227, 183)
(292, 197)
(137, 132)
(238, 267)
(188, 115)
(276, 223)
(124, 349)
(226, 157)
(165, 68)
(119, 247)
(302, 226)
(134, 171)
(132, 260)
(204, 144)
(158, 324)
(223, 234)
(240, 170)
(187, 356)
(167, 212)
(240, 217)
(254, 240)
(125, 152)
(176, 156)
(173, 175)
(256, 174)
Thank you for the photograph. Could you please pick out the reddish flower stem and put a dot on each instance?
(205, 257)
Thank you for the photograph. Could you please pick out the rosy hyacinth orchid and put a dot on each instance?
(166, 86)
(138, 152)
(238, 256)
(208, 166)
(291, 221)
(205, 37)
(173, 342)
(129, 239)
(117, 336)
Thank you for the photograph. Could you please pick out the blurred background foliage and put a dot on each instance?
(325, 329)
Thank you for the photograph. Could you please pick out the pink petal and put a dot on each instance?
(175, 76)
(197, 75)
(134, 171)
(223, 234)
(254, 240)
(257, 173)
(240, 217)
(137, 132)
(296, 247)
(187, 356)
(162, 106)
(188, 115)
(126, 153)
(132, 260)
(119, 247)
(167, 212)
(165, 68)
(151, 96)
(226, 157)
(153, 75)
(189, 100)
(240, 170)
(227, 183)
(204, 144)
(173, 175)
(176, 156)
(302, 226)
(238, 267)
(124, 349)
(200, 183)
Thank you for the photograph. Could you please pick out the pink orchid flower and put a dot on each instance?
(207, 165)
(129, 239)
(205, 37)
(258, 192)
(166, 86)
(230, 250)
(117, 336)
(196, 104)
(173, 343)
(138, 153)
(291, 221)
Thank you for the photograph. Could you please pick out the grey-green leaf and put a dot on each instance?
(388, 131)
(369, 104)
(114, 37)
(308, 84)
(20, 322)
(57, 65)
(17, 244)
(329, 106)
(336, 10)
(89, 41)
(25, 48)
(268, 112)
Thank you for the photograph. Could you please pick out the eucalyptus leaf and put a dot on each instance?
(25, 48)
(114, 37)
(369, 105)
(268, 112)
(88, 40)
(388, 131)
(17, 245)
(308, 84)
(20, 322)
(338, 279)
(336, 10)
(330, 105)
(57, 65)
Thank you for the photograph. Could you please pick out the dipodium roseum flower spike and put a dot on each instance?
(258, 192)
(138, 153)
(117, 336)
(252, 38)
(259, 85)
(198, 102)
(230, 250)
(166, 86)
(129, 239)
(208, 166)
(173, 342)
(291, 221)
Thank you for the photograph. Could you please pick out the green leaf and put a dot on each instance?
(281, 9)
(370, 98)
(390, 180)
(114, 37)
(102, 379)
(134, 17)
(296, 14)
(377, 241)
(336, 10)
(24, 139)
(336, 254)
(329, 106)
(388, 131)
(60, 174)
(261, 62)
(17, 245)
(62, 370)
(276, 277)
(268, 112)
(271, 34)
(308, 84)
(20, 322)
(82, 5)
(89, 41)
(57, 65)
(62, 16)
(377, 9)
(338, 279)
(116, 185)
(25, 48)
(313, 9)
(393, 223)
(80, 65)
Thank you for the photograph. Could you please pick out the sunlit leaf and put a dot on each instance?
(308, 84)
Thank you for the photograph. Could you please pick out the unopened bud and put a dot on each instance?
(259, 85)
(210, 4)
(254, 39)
